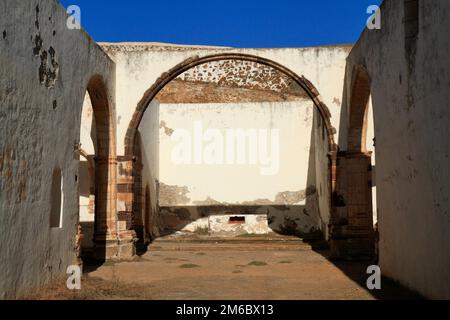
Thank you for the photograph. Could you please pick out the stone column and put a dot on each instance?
(126, 234)
(352, 233)
(105, 234)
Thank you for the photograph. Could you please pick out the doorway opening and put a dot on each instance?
(357, 167)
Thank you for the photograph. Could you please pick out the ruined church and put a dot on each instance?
(108, 147)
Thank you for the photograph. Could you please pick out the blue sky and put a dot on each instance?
(236, 23)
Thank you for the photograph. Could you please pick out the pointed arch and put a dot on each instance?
(358, 112)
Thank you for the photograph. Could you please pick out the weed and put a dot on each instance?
(189, 266)
(257, 263)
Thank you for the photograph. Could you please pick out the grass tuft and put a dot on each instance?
(257, 263)
(202, 231)
(189, 266)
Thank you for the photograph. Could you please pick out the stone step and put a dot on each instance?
(228, 240)
(192, 237)
(228, 247)
(208, 243)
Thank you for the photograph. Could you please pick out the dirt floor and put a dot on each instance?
(230, 270)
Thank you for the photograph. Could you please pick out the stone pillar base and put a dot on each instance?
(127, 244)
(121, 248)
(338, 249)
(352, 243)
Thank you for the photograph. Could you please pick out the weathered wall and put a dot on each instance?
(294, 196)
(139, 65)
(43, 79)
(149, 140)
(235, 94)
(282, 167)
(407, 61)
(321, 176)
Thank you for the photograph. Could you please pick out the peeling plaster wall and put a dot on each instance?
(239, 183)
(258, 219)
(295, 198)
(44, 74)
(410, 83)
(139, 65)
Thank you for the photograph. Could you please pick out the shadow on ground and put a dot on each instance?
(176, 246)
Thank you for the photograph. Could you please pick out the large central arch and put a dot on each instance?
(192, 62)
(184, 66)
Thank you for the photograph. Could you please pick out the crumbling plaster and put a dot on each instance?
(300, 185)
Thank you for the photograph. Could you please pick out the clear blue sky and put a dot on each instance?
(236, 23)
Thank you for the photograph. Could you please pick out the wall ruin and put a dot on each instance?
(45, 72)
(406, 64)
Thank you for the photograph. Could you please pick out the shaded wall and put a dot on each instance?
(407, 61)
(149, 143)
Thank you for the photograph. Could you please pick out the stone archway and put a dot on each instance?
(358, 112)
(102, 164)
(354, 232)
(127, 163)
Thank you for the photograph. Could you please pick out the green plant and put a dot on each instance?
(257, 263)
(202, 231)
(249, 235)
(189, 266)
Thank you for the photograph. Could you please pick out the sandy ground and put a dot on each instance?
(221, 272)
